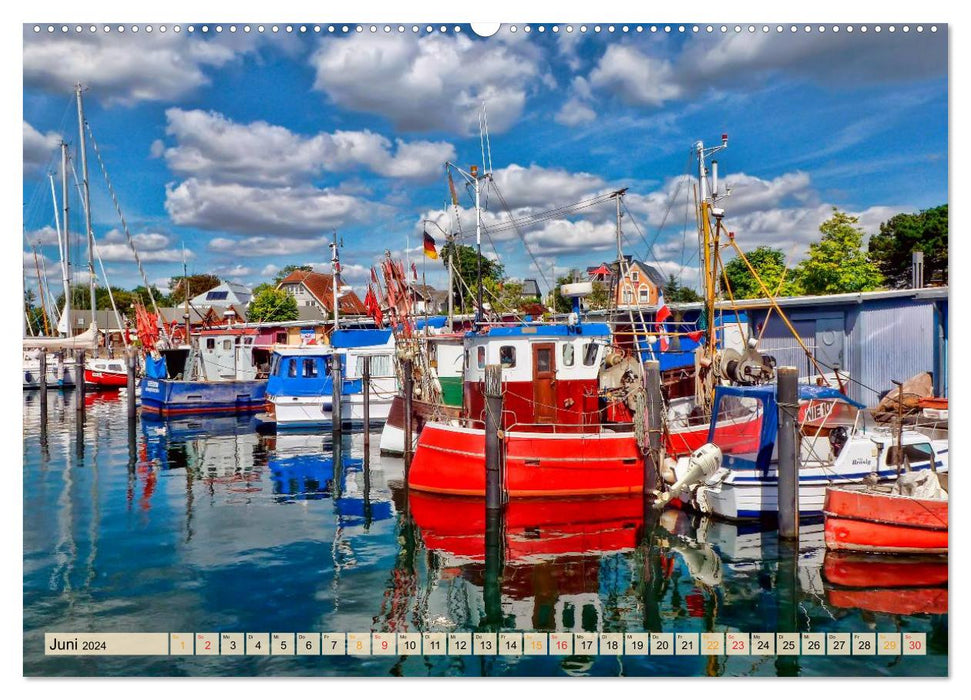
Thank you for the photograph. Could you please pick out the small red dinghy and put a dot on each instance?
(908, 518)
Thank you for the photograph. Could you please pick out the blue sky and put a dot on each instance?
(250, 149)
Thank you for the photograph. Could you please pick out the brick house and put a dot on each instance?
(640, 286)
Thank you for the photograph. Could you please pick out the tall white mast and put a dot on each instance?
(87, 204)
(66, 249)
(335, 269)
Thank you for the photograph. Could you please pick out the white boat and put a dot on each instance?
(746, 483)
(300, 387)
(61, 370)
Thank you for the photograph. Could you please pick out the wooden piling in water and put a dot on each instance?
(79, 380)
(493, 442)
(787, 396)
(366, 390)
(408, 389)
(43, 374)
(130, 364)
(336, 419)
(655, 425)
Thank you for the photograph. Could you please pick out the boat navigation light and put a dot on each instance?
(724, 139)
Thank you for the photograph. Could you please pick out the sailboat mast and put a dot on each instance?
(478, 246)
(335, 269)
(66, 249)
(87, 203)
(185, 282)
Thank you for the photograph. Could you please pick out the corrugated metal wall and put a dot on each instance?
(895, 341)
(778, 341)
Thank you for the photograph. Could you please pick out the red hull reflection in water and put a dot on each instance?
(898, 585)
(534, 529)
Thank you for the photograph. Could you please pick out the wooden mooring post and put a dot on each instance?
(336, 419)
(408, 389)
(787, 396)
(130, 365)
(43, 375)
(493, 440)
(79, 380)
(366, 391)
(655, 425)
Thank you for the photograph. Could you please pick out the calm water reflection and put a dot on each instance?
(204, 525)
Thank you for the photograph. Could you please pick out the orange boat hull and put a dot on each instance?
(873, 522)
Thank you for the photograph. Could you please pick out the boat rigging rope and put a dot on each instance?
(97, 252)
(519, 232)
(778, 309)
(124, 225)
(555, 213)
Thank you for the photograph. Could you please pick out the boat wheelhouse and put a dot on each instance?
(565, 433)
(300, 388)
(223, 371)
(747, 484)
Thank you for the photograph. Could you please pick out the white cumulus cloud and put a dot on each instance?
(436, 82)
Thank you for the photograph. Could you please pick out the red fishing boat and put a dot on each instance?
(863, 519)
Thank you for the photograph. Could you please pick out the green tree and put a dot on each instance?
(260, 287)
(600, 297)
(561, 304)
(466, 270)
(903, 234)
(676, 292)
(770, 265)
(193, 285)
(287, 269)
(272, 305)
(837, 262)
(503, 295)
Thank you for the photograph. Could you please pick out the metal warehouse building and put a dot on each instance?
(875, 337)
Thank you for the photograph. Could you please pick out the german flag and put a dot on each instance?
(429, 244)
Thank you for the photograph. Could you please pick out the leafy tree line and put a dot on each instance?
(839, 263)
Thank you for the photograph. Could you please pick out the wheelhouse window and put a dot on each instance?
(480, 356)
(210, 343)
(568, 354)
(590, 351)
(507, 356)
(912, 454)
(291, 367)
(227, 344)
(310, 367)
(381, 366)
(275, 365)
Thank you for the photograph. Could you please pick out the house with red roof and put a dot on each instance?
(316, 290)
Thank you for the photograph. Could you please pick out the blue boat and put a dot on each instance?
(222, 372)
(300, 388)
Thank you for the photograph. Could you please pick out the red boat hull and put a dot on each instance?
(451, 460)
(111, 380)
(857, 520)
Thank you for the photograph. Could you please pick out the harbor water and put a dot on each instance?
(205, 525)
